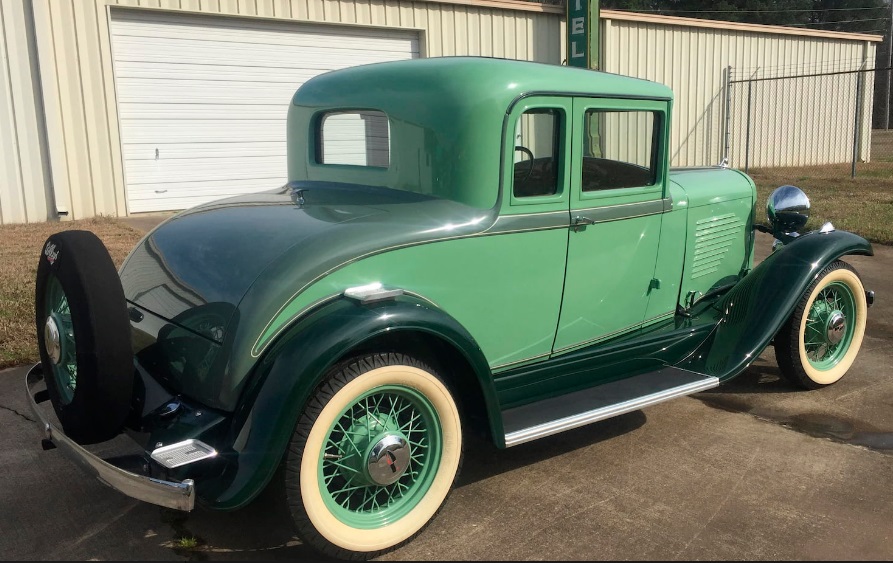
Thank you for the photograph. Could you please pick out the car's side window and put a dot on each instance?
(356, 138)
(619, 149)
(537, 161)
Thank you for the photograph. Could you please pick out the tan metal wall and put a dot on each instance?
(691, 59)
(23, 185)
(79, 91)
(83, 149)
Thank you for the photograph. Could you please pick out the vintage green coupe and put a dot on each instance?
(463, 244)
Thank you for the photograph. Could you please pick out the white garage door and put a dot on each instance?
(202, 100)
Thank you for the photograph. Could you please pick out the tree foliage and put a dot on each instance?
(832, 15)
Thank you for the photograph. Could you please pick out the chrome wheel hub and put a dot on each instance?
(836, 327)
(388, 459)
(52, 340)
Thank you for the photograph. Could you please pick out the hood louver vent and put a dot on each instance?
(714, 238)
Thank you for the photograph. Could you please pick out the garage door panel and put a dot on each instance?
(178, 26)
(204, 130)
(202, 100)
(175, 170)
(131, 45)
(222, 72)
(254, 55)
(217, 150)
(168, 111)
(199, 92)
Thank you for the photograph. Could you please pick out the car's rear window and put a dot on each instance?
(354, 138)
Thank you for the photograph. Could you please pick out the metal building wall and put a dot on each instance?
(691, 58)
(24, 191)
(79, 90)
(76, 102)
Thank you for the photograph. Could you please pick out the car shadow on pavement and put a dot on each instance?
(484, 460)
(763, 376)
(262, 530)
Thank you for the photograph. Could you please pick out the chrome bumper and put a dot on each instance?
(170, 494)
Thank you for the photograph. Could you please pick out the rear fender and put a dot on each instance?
(286, 377)
(756, 308)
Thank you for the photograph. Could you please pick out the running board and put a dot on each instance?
(551, 416)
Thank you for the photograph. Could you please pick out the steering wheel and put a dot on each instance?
(529, 155)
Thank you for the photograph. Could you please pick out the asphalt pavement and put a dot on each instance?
(753, 470)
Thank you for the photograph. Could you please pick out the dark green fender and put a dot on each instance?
(756, 308)
(265, 419)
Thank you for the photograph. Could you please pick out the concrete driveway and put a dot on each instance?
(753, 470)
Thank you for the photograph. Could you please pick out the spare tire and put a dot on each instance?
(83, 334)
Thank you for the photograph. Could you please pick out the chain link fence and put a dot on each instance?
(828, 133)
(822, 124)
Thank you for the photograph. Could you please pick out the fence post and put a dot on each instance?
(747, 135)
(889, 64)
(857, 124)
(725, 152)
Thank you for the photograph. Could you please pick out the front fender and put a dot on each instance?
(755, 309)
(285, 378)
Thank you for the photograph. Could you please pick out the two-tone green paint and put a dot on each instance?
(647, 349)
(754, 310)
(310, 231)
(289, 372)
(508, 295)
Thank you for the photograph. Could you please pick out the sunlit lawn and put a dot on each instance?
(19, 252)
(863, 204)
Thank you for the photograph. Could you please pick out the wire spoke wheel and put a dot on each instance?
(820, 341)
(59, 340)
(828, 334)
(394, 426)
(373, 457)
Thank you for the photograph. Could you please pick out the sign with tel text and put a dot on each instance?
(582, 33)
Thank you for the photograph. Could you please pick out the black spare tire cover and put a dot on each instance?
(83, 334)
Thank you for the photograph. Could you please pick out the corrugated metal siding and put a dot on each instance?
(691, 60)
(85, 160)
(23, 188)
(79, 90)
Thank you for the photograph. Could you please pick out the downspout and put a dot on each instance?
(52, 209)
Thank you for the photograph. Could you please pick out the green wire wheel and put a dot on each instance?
(59, 341)
(374, 456)
(820, 341)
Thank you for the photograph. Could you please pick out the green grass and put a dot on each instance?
(863, 205)
(19, 252)
(186, 542)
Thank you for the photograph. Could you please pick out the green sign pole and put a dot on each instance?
(582, 33)
(582, 52)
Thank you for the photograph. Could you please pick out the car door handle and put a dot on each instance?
(580, 222)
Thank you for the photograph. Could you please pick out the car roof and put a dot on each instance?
(470, 80)
(446, 118)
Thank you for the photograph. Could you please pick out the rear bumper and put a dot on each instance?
(170, 494)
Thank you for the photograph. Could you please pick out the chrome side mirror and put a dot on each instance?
(788, 210)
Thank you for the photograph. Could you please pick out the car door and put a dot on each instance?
(530, 235)
(617, 202)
